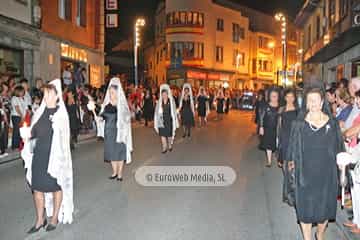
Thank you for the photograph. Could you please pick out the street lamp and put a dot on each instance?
(281, 18)
(140, 22)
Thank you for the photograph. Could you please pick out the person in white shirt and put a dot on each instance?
(27, 97)
(354, 86)
(67, 76)
(18, 112)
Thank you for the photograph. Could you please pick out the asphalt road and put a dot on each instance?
(249, 209)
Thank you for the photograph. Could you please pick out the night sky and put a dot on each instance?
(129, 9)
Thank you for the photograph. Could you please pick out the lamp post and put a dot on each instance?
(281, 18)
(140, 22)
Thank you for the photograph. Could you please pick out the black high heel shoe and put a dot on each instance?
(35, 229)
(50, 227)
(119, 179)
(113, 177)
(164, 151)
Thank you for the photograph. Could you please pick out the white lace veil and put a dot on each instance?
(123, 117)
(188, 86)
(158, 116)
(60, 162)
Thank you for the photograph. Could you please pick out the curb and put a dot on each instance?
(16, 155)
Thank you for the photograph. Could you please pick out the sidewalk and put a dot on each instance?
(14, 155)
(342, 217)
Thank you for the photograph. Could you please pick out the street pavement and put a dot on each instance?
(250, 209)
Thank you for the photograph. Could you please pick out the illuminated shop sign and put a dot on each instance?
(73, 53)
(196, 75)
(209, 76)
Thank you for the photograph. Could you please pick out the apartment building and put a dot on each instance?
(331, 39)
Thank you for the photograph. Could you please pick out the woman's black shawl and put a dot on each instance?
(296, 147)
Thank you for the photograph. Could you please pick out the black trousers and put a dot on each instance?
(16, 139)
(4, 133)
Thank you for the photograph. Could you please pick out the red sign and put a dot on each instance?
(196, 75)
(213, 76)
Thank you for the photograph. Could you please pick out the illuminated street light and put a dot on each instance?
(271, 44)
(140, 22)
(281, 18)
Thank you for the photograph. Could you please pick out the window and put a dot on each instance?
(186, 50)
(238, 58)
(220, 25)
(343, 8)
(65, 9)
(264, 42)
(185, 19)
(238, 33)
(201, 19)
(81, 13)
(332, 7)
(219, 54)
(254, 69)
(317, 27)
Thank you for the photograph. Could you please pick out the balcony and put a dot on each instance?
(185, 22)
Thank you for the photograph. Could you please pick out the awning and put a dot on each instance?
(337, 46)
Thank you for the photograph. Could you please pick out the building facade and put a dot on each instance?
(212, 42)
(331, 39)
(72, 35)
(19, 39)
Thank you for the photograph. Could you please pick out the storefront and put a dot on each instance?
(19, 49)
(11, 61)
(198, 77)
(57, 55)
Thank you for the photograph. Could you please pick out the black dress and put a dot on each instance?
(268, 121)
(166, 131)
(220, 105)
(259, 105)
(227, 105)
(202, 105)
(42, 133)
(316, 198)
(74, 118)
(113, 151)
(148, 108)
(286, 118)
(187, 115)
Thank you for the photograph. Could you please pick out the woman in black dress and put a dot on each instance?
(227, 102)
(117, 131)
(314, 143)
(202, 106)
(148, 107)
(287, 114)
(49, 168)
(220, 104)
(268, 124)
(165, 118)
(259, 105)
(187, 109)
(74, 117)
